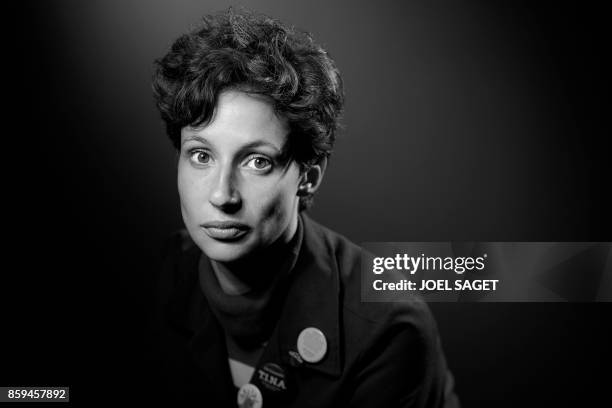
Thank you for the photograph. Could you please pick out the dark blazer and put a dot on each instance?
(378, 354)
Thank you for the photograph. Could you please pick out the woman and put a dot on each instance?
(259, 304)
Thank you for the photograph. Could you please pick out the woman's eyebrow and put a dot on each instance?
(259, 143)
(196, 138)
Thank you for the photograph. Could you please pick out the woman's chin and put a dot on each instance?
(224, 251)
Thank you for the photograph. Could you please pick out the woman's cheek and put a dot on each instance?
(191, 195)
(270, 200)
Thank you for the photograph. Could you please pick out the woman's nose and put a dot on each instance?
(224, 194)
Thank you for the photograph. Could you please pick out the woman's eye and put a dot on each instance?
(200, 157)
(259, 163)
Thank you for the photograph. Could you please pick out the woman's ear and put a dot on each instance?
(311, 178)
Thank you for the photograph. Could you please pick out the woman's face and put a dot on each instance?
(238, 189)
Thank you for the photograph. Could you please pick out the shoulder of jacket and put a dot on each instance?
(340, 247)
(369, 325)
(178, 253)
(372, 316)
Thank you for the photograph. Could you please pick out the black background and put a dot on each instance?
(464, 121)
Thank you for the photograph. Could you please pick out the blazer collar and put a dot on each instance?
(313, 300)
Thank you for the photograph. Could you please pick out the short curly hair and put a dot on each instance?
(254, 53)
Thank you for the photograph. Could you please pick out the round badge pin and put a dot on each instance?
(249, 396)
(312, 345)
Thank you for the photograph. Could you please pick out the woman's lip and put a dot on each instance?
(225, 225)
(225, 230)
(225, 234)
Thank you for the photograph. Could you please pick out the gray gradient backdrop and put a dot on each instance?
(464, 121)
